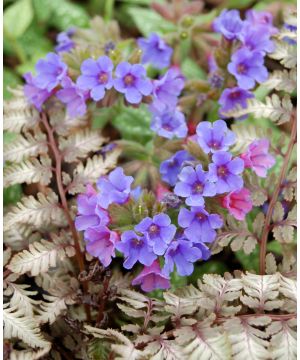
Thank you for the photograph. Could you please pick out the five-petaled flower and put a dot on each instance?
(194, 184)
(199, 226)
(238, 203)
(159, 231)
(131, 81)
(96, 76)
(233, 97)
(226, 172)
(228, 23)
(213, 137)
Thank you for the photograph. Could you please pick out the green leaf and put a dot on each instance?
(17, 18)
(191, 70)
(9, 79)
(249, 262)
(134, 124)
(148, 21)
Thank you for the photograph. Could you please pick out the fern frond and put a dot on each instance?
(282, 80)
(201, 340)
(39, 258)
(79, 144)
(247, 341)
(219, 292)
(51, 309)
(275, 109)
(261, 291)
(40, 211)
(289, 189)
(122, 346)
(22, 327)
(92, 170)
(283, 344)
(285, 53)
(25, 146)
(18, 113)
(21, 299)
(29, 171)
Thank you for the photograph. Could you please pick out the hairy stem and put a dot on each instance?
(63, 199)
(282, 175)
(103, 298)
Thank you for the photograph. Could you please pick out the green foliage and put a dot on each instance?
(17, 18)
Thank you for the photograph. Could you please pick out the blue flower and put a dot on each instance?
(256, 39)
(194, 184)
(135, 248)
(50, 72)
(169, 123)
(183, 254)
(231, 98)
(213, 137)
(170, 168)
(247, 67)
(34, 94)
(114, 189)
(226, 171)
(228, 23)
(159, 231)
(96, 76)
(132, 82)
(199, 226)
(155, 51)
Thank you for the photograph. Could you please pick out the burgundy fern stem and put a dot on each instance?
(283, 173)
(61, 191)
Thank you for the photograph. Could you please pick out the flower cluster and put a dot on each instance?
(251, 40)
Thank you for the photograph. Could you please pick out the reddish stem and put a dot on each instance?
(63, 199)
(283, 173)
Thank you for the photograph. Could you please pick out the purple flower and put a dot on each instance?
(213, 137)
(35, 95)
(170, 168)
(96, 76)
(152, 278)
(183, 254)
(64, 41)
(155, 51)
(132, 82)
(256, 39)
(257, 157)
(90, 214)
(228, 23)
(248, 66)
(199, 225)
(169, 123)
(231, 98)
(194, 184)
(114, 189)
(159, 231)
(73, 97)
(167, 89)
(50, 72)
(101, 243)
(226, 172)
(135, 248)
(260, 18)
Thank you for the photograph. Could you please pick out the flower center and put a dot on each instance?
(153, 229)
(241, 69)
(128, 79)
(198, 188)
(136, 242)
(200, 216)
(214, 145)
(235, 95)
(103, 78)
(222, 171)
